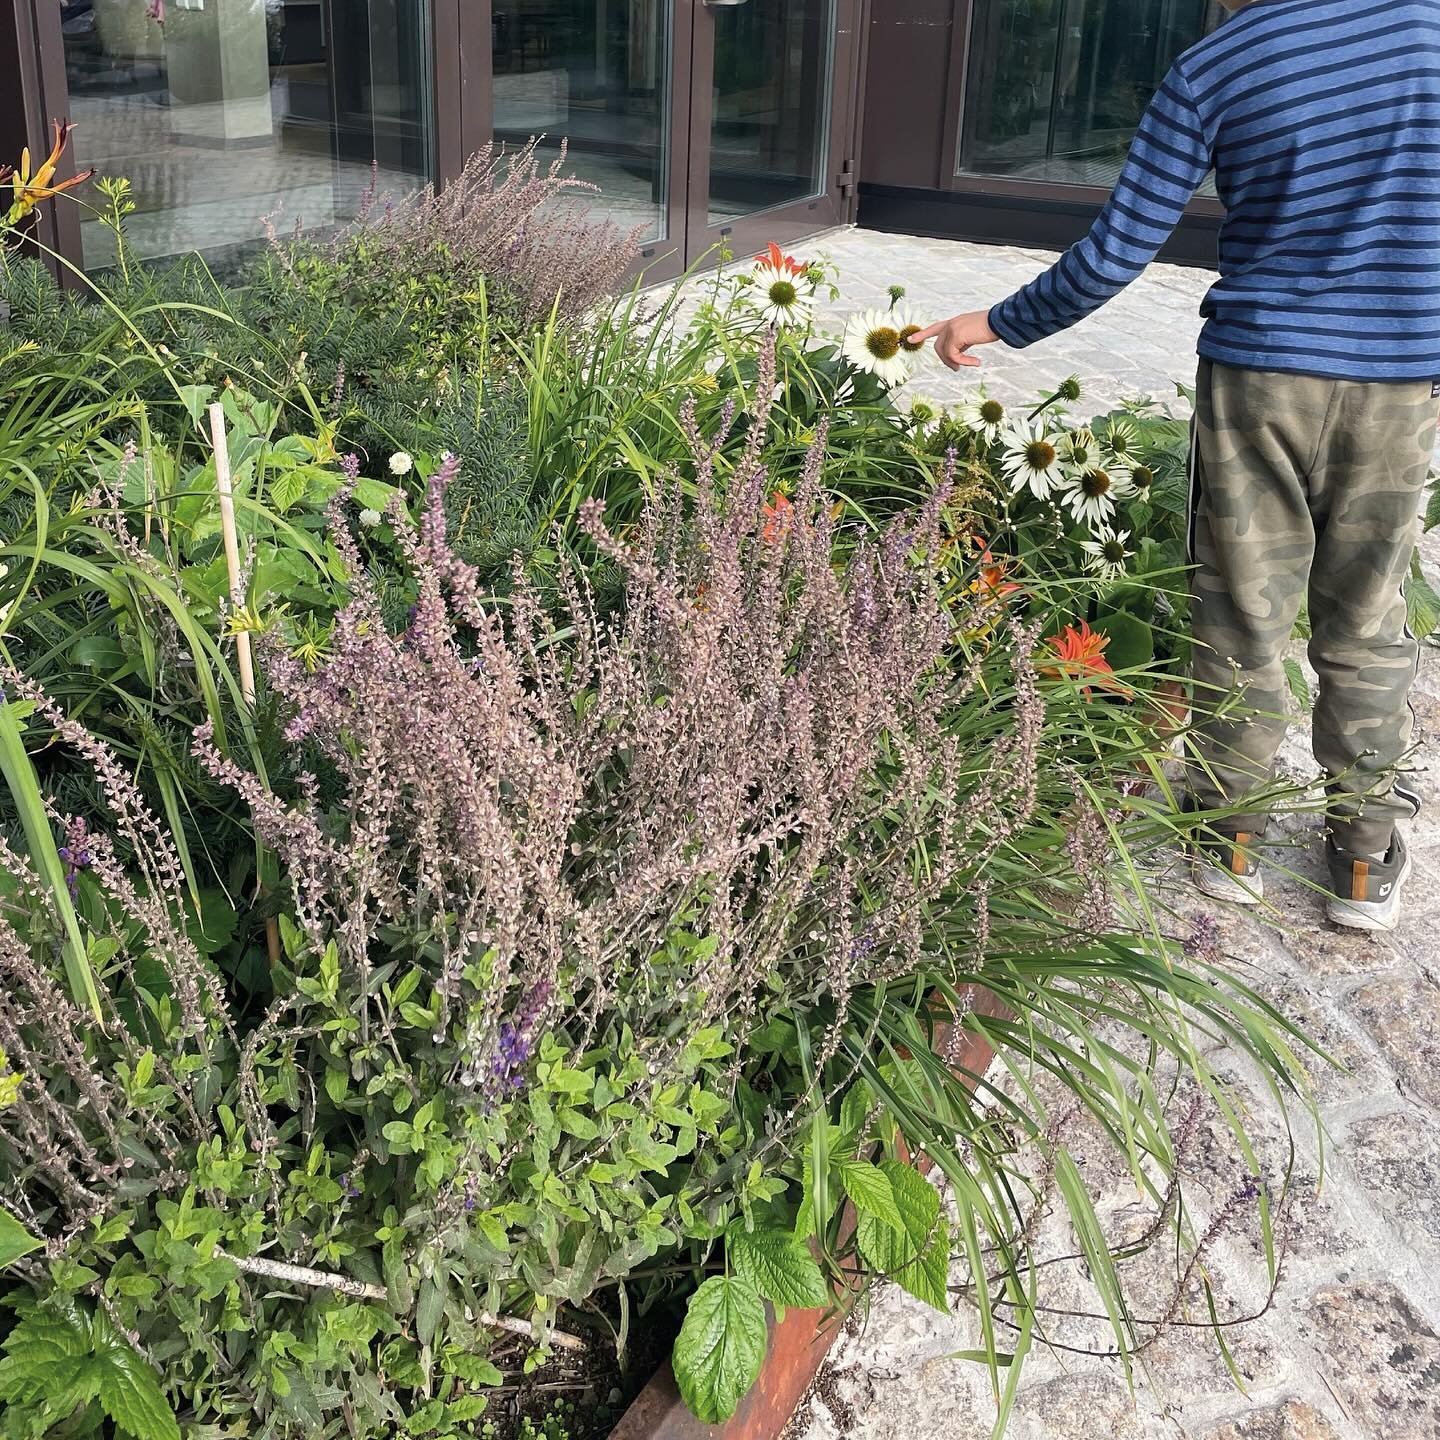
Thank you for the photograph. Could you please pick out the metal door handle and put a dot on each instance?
(722, 4)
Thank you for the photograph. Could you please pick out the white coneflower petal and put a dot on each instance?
(925, 414)
(1090, 495)
(1106, 554)
(1079, 450)
(781, 297)
(873, 343)
(983, 416)
(1031, 460)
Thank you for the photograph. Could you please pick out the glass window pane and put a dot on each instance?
(1057, 87)
(595, 72)
(770, 130)
(234, 110)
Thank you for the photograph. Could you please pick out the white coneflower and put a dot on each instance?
(1142, 481)
(1079, 450)
(401, 463)
(873, 342)
(908, 322)
(1031, 461)
(1106, 554)
(781, 297)
(925, 414)
(1119, 436)
(983, 417)
(1090, 495)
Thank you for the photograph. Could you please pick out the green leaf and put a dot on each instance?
(917, 1256)
(15, 1239)
(871, 1192)
(1299, 688)
(1132, 641)
(778, 1265)
(129, 1391)
(720, 1348)
(19, 775)
(429, 1310)
(1422, 604)
(1432, 506)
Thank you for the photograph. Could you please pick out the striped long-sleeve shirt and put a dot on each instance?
(1321, 120)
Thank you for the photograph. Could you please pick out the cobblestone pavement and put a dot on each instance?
(1349, 1346)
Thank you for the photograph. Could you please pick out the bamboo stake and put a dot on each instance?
(344, 1285)
(232, 546)
(243, 654)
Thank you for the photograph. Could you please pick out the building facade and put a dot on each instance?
(700, 121)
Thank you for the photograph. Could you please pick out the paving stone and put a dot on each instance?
(1396, 1157)
(1403, 1016)
(1381, 1359)
(1291, 1420)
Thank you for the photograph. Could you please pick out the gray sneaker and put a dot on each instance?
(1366, 891)
(1225, 868)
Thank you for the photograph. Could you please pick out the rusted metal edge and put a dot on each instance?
(799, 1343)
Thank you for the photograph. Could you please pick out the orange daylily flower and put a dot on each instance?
(1080, 654)
(991, 581)
(30, 189)
(773, 256)
(778, 518)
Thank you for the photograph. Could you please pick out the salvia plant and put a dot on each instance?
(619, 940)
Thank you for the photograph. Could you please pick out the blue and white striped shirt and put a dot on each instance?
(1321, 120)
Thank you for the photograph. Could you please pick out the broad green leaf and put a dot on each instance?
(871, 1192)
(427, 1313)
(778, 1265)
(1422, 604)
(720, 1348)
(917, 1256)
(15, 1239)
(129, 1391)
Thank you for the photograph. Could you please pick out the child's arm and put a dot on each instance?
(1168, 159)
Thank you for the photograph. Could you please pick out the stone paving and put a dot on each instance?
(1348, 1348)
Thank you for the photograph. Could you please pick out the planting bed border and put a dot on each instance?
(799, 1343)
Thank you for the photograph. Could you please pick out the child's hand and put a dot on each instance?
(954, 339)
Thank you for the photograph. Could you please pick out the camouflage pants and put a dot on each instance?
(1307, 488)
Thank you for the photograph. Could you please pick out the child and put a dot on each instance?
(1317, 401)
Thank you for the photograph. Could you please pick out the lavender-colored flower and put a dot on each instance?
(75, 855)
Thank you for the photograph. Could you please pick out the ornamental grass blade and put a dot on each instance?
(24, 789)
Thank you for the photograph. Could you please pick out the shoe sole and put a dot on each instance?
(1248, 890)
(1377, 918)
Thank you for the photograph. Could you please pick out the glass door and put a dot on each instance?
(771, 106)
(231, 118)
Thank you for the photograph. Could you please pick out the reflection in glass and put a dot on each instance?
(1057, 87)
(769, 135)
(595, 72)
(231, 111)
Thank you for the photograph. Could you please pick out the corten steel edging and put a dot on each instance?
(800, 1342)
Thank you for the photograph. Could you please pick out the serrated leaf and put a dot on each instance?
(1422, 604)
(871, 1192)
(15, 1239)
(917, 1256)
(1299, 686)
(778, 1265)
(129, 1392)
(720, 1348)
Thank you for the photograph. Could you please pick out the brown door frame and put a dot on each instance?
(784, 224)
(32, 51)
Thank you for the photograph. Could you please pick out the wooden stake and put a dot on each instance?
(243, 655)
(232, 546)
